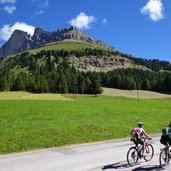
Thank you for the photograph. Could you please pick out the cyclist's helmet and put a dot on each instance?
(140, 124)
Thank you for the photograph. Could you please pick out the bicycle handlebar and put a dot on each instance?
(145, 138)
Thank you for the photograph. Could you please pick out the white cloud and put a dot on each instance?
(9, 9)
(42, 3)
(155, 9)
(39, 12)
(8, 1)
(105, 21)
(82, 21)
(6, 31)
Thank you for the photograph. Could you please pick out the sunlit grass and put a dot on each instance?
(65, 45)
(37, 124)
(21, 95)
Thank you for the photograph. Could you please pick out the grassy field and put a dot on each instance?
(36, 124)
(21, 95)
(136, 94)
(66, 45)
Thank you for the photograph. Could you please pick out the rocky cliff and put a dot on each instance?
(21, 41)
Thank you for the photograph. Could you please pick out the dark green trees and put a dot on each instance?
(50, 71)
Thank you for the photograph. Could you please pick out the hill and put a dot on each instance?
(79, 64)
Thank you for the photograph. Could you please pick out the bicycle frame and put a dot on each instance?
(136, 152)
(164, 156)
(139, 147)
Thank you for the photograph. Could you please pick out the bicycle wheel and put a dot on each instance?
(132, 156)
(164, 158)
(148, 155)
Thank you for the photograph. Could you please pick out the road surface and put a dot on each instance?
(99, 156)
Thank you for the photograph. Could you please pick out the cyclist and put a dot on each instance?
(166, 136)
(137, 135)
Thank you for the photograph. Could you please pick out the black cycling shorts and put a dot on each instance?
(165, 140)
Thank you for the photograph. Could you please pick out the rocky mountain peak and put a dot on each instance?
(39, 30)
(72, 28)
(19, 35)
(18, 42)
(40, 37)
(21, 41)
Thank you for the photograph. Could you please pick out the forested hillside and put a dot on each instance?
(45, 70)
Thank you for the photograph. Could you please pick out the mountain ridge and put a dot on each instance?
(21, 41)
(74, 66)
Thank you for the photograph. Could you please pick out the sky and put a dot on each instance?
(141, 28)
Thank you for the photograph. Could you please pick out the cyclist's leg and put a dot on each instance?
(164, 140)
(147, 148)
(166, 147)
(135, 142)
(141, 142)
(169, 147)
(169, 141)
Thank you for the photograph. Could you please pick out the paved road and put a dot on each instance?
(102, 156)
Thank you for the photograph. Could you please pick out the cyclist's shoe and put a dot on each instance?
(141, 155)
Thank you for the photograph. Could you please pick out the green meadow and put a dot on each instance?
(29, 124)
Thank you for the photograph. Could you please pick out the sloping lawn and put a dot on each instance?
(36, 124)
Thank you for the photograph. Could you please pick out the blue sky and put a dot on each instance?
(141, 28)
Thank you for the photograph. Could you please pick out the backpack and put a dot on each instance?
(135, 133)
(165, 131)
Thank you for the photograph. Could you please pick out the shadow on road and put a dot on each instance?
(148, 168)
(121, 165)
(115, 166)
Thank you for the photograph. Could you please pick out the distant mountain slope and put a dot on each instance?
(21, 41)
(84, 56)
(75, 64)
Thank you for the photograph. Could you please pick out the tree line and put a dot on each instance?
(50, 71)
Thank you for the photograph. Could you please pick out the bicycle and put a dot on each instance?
(164, 157)
(136, 152)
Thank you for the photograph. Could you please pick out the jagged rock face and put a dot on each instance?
(18, 42)
(41, 36)
(70, 33)
(21, 41)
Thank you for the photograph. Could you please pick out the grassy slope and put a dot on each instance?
(66, 45)
(20, 95)
(141, 94)
(35, 124)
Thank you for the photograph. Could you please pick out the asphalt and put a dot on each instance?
(98, 156)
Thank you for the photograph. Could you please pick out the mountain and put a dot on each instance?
(21, 41)
(69, 61)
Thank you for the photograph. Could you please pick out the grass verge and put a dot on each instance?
(36, 124)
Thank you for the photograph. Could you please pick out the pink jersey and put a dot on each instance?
(137, 131)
